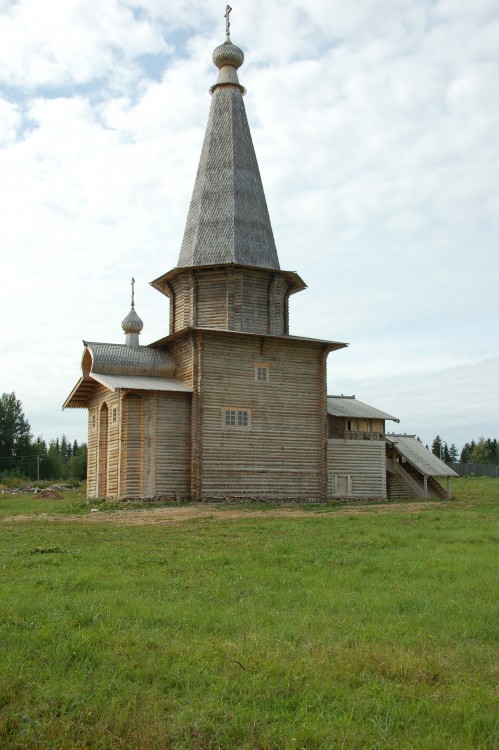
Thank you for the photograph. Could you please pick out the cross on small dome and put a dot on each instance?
(132, 324)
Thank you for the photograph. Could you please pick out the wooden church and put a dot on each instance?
(228, 405)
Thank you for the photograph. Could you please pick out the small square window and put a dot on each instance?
(230, 417)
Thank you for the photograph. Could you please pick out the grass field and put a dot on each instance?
(342, 628)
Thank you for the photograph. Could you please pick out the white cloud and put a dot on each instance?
(9, 122)
(375, 127)
(73, 42)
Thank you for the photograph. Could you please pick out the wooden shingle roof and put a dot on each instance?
(228, 219)
(349, 406)
(420, 457)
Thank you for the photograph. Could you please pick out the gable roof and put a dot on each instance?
(419, 456)
(349, 406)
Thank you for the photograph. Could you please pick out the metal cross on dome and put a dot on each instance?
(228, 10)
(133, 291)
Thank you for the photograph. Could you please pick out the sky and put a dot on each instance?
(376, 128)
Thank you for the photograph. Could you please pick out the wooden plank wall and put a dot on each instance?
(182, 352)
(102, 457)
(92, 442)
(235, 278)
(279, 295)
(131, 465)
(364, 461)
(183, 302)
(172, 450)
(255, 303)
(211, 296)
(229, 298)
(281, 455)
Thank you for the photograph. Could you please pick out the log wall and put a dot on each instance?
(364, 462)
(211, 296)
(173, 445)
(132, 446)
(140, 446)
(255, 309)
(282, 452)
(229, 297)
(103, 444)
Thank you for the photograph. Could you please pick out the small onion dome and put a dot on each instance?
(132, 323)
(228, 54)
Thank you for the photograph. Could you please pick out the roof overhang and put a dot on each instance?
(78, 398)
(162, 283)
(329, 345)
(349, 406)
(85, 387)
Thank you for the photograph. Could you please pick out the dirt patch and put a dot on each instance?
(167, 516)
(47, 495)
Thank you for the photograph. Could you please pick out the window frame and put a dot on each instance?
(261, 367)
(236, 418)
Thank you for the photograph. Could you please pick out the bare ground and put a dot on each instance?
(167, 516)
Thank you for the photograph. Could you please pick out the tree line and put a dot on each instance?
(22, 455)
(483, 451)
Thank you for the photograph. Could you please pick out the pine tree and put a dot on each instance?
(15, 436)
(453, 454)
(437, 447)
(467, 451)
(492, 448)
(77, 466)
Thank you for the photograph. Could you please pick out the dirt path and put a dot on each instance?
(166, 516)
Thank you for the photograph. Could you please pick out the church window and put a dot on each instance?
(93, 420)
(262, 372)
(236, 418)
(114, 414)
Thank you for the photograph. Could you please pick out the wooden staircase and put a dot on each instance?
(402, 484)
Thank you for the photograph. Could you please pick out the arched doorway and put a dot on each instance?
(102, 467)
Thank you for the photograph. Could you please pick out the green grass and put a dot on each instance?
(336, 631)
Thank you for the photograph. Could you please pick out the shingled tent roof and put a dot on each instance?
(228, 219)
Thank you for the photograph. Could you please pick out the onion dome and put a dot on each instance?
(228, 54)
(228, 58)
(132, 323)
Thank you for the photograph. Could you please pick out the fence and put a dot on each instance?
(475, 470)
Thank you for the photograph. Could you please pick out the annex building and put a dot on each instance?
(229, 404)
